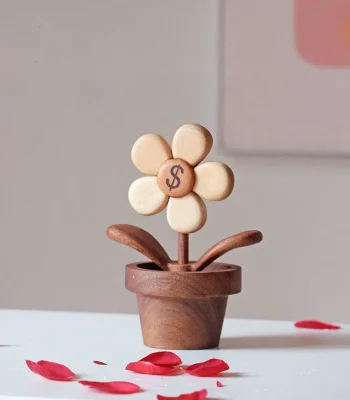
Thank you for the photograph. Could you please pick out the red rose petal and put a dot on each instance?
(219, 384)
(211, 367)
(314, 324)
(199, 395)
(145, 367)
(99, 362)
(163, 358)
(51, 370)
(115, 387)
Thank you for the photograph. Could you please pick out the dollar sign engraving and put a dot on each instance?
(176, 180)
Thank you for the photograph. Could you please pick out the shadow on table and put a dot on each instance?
(323, 340)
(234, 375)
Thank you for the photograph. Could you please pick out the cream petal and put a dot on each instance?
(145, 196)
(149, 152)
(186, 214)
(214, 181)
(192, 143)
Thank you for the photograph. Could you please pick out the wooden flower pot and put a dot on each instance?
(182, 310)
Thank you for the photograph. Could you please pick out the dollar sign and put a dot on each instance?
(176, 180)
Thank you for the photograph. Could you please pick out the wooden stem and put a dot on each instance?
(183, 248)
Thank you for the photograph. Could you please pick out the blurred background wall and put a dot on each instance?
(80, 82)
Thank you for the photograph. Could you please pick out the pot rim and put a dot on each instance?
(218, 279)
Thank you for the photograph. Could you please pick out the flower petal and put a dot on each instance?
(99, 362)
(211, 367)
(219, 384)
(145, 196)
(192, 143)
(149, 152)
(51, 370)
(163, 358)
(199, 395)
(145, 367)
(214, 181)
(114, 387)
(186, 214)
(314, 324)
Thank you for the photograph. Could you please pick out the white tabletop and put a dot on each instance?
(269, 360)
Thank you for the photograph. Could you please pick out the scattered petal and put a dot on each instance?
(145, 367)
(99, 362)
(51, 370)
(219, 384)
(115, 387)
(199, 395)
(314, 324)
(211, 367)
(163, 358)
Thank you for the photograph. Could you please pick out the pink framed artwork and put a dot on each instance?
(285, 77)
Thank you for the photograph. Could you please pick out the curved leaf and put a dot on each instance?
(140, 240)
(232, 242)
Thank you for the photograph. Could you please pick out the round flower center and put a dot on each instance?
(176, 178)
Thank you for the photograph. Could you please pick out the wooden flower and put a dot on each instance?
(177, 179)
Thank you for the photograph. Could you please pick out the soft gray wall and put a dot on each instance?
(80, 81)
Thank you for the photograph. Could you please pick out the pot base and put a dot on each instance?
(187, 324)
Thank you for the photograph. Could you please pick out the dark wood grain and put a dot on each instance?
(182, 310)
(186, 324)
(142, 241)
(218, 279)
(242, 239)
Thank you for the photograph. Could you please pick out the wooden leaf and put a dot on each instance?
(232, 242)
(140, 240)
